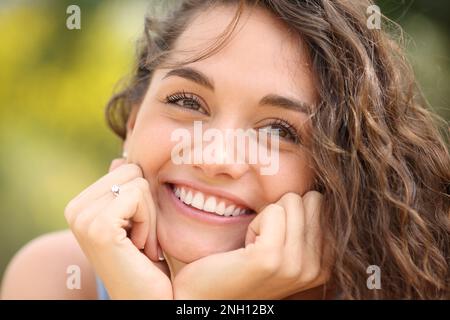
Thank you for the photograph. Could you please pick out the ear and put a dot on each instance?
(130, 125)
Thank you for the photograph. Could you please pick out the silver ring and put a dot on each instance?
(115, 189)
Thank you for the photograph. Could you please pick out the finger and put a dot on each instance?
(295, 222)
(143, 233)
(312, 202)
(314, 269)
(134, 204)
(119, 176)
(140, 218)
(128, 206)
(268, 228)
(152, 248)
(116, 163)
(82, 220)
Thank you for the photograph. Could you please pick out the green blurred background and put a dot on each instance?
(54, 83)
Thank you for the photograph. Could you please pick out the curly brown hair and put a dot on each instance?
(380, 154)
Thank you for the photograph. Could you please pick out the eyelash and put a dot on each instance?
(290, 129)
(284, 124)
(176, 97)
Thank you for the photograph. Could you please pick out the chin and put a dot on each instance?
(188, 231)
(189, 244)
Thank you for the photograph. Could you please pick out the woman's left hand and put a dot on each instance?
(282, 256)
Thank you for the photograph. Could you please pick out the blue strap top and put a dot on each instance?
(102, 294)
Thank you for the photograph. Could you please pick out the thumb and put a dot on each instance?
(268, 226)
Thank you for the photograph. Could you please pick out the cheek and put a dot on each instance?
(294, 175)
(151, 146)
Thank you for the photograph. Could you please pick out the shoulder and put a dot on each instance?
(42, 270)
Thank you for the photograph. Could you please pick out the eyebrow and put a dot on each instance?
(268, 100)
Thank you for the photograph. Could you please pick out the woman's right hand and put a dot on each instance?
(118, 234)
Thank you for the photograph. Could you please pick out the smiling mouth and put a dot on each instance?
(208, 203)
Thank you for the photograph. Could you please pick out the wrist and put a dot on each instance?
(149, 292)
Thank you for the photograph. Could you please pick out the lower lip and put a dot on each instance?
(204, 216)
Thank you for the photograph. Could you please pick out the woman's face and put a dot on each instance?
(260, 60)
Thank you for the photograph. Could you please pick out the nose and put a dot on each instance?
(233, 170)
(222, 156)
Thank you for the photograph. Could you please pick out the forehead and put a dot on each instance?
(261, 55)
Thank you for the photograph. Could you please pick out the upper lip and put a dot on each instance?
(220, 193)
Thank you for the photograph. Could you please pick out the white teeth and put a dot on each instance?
(210, 205)
(236, 212)
(220, 208)
(188, 198)
(198, 201)
(182, 194)
(229, 210)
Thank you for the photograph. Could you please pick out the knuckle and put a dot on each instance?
(97, 234)
(142, 183)
(312, 196)
(69, 211)
(135, 193)
(273, 207)
(133, 169)
(311, 274)
(115, 163)
(271, 262)
(291, 271)
(313, 205)
(291, 196)
(81, 222)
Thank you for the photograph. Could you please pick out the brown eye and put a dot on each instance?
(282, 129)
(186, 100)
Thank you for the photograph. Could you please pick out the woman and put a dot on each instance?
(362, 178)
